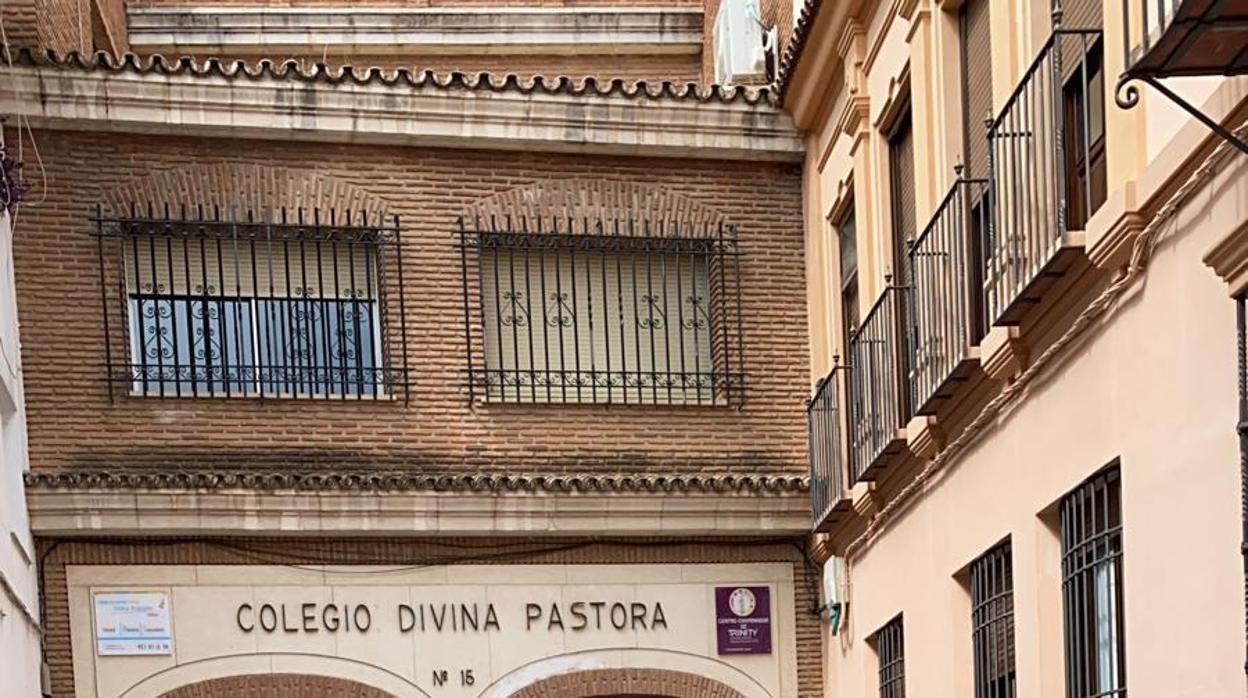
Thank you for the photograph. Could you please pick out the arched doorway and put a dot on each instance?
(627, 683)
(277, 686)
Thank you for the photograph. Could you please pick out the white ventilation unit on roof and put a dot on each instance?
(739, 53)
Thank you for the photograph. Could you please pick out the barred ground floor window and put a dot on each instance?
(1091, 529)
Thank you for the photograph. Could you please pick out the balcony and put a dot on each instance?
(944, 311)
(1172, 38)
(878, 399)
(828, 500)
(1046, 165)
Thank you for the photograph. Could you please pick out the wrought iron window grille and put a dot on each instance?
(890, 651)
(208, 304)
(601, 312)
(992, 619)
(1092, 594)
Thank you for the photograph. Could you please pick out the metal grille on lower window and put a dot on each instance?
(591, 312)
(992, 617)
(889, 645)
(240, 308)
(1091, 519)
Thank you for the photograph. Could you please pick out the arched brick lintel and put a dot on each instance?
(660, 683)
(285, 685)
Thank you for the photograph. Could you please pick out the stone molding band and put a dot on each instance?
(199, 480)
(399, 107)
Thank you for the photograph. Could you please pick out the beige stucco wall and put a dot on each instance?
(1155, 387)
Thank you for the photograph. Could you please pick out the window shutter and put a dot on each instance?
(901, 161)
(976, 82)
(1082, 14)
(620, 326)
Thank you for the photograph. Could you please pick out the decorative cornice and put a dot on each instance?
(404, 504)
(1229, 260)
(288, 101)
(372, 481)
(270, 30)
(855, 115)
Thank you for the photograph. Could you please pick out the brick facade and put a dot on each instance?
(276, 686)
(57, 554)
(627, 682)
(72, 423)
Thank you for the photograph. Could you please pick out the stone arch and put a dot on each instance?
(273, 685)
(627, 672)
(255, 668)
(657, 683)
(577, 200)
(237, 189)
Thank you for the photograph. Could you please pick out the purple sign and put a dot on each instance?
(743, 620)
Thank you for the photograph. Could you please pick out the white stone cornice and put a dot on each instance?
(461, 113)
(269, 30)
(242, 511)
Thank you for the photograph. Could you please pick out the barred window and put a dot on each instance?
(216, 307)
(992, 618)
(889, 644)
(1091, 520)
(591, 312)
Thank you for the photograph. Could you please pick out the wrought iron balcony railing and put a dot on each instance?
(1047, 170)
(827, 463)
(210, 306)
(878, 397)
(944, 314)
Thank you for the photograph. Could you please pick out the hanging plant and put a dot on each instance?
(12, 190)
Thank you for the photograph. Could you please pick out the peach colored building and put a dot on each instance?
(352, 370)
(1022, 279)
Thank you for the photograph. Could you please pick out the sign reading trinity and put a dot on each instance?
(468, 631)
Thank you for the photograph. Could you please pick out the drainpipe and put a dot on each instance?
(1242, 325)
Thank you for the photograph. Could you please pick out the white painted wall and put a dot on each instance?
(19, 636)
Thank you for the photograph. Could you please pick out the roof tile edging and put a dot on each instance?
(721, 483)
(291, 70)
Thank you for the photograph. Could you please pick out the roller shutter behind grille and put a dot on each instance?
(976, 83)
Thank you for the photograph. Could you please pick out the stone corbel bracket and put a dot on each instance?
(287, 102)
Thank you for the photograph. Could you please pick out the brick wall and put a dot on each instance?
(57, 554)
(72, 423)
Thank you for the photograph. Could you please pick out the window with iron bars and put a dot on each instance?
(602, 312)
(213, 306)
(889, 644)
(992, 619)
(1091, 528)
